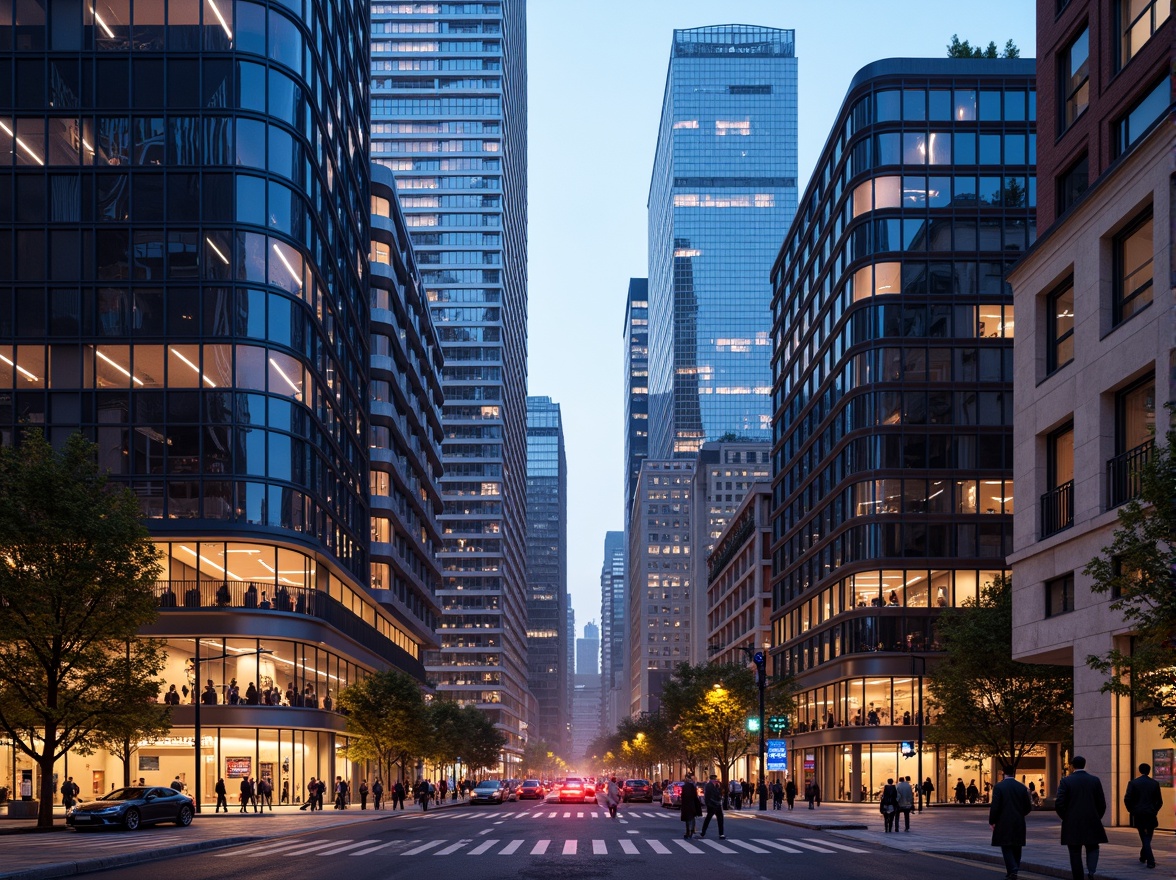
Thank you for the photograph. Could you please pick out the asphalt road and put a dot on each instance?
(553, 842)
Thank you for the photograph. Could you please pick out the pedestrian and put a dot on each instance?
(246, 794)
(906, 802)
(320, 789)
(340, 793)
(363, 794)
(777, 795)
(421, 793)
(961, 791)
(285, 791)
(712, 798)
(973, 792)
(690, 807)
(1081, 804)
(888, 805)
(736, 795)
(377, 795)
(222, 799)
(311, 795)
(790, 792)
(1143, 801)
(612, 796)
(398, 794)
(69, 793)
(265, 794)
(816, 793)
(1006, 817)
(928, 787)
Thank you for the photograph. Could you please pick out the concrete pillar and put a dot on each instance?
(855, 773)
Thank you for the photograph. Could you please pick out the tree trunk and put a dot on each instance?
(126, 756)
(45, 764)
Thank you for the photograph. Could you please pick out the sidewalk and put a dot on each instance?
(964, 833)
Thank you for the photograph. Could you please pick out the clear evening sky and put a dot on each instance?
(597, 71)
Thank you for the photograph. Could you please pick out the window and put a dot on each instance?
(1073, 183)
(1057, 504)
(1139, 118)
(1132, 277)
(1059, 323)
(1059, 595)
(1074, 77)
(1135, 424)
(1136, 21)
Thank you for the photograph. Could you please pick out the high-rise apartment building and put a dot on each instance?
(547, 571)
(893, 378)
(1094, 352)
(739, 582)
(723, 186)
(613, 632)
(184, 210)
(636, 384)
(449, 118)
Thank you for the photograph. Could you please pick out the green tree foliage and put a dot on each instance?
(77, 575)
(1136, 569)
(139, 722)
(964, 49)
(385, 720)
(482, 742)
(541, 762)
(988, 704)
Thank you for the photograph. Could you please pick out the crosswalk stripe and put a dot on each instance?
(688, 846)
(372, 849)
(713, 844)
(748, 846)
(569, 815)
(551, 815)
(569, 848)
(599, 848)
(628, 847)
(540, 848)
(339, 849)
(422, 847)
(579, 815)
(509, 849)
(322, 844)
(594, 815)
(775, 845)
(819, 849)
(451, 849)
(482, 847)
(852, 849)
(657, 846)
(275, 848)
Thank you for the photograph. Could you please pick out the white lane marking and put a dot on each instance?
(552, 815)
(754, 849)
(322, 844)
(688, 846)
(372, 849)
(579, 815)
(628, 847)
(594, 815)
(339, 849)
(422, 847)
(599, 848)
(540, 848)
(509, 849)
(569, 848)
(819, 849)
(451, 849)
(775, 845)
(852, 849)
(656, 845)
(713, 844)
(482, 847)
(567, 815)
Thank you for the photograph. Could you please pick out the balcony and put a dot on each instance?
(1125, 474)
(1057, 509)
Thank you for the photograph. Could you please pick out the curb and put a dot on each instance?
(812, 826)
(70, 869)
(1031, 867)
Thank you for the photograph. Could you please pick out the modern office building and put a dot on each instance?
(547, 571)
(614, 700)
(636, 384)
(892, 480)
(184, 240)
(726, 471)
(588, 651)
(1094, 351)
(660, 573)
(449, 118)
(722, 192)
(586, 724)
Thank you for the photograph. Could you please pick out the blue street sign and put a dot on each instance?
(777, 755)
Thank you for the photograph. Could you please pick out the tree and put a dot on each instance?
(386, 720)
(964, 49)
(1137, 571)
(482, 742)
(988, 704)
(146, 719)
(77, 576)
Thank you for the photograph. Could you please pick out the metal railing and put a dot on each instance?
(1125, 474)
(1057, 509)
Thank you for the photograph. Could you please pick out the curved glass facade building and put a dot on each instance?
(893, 333)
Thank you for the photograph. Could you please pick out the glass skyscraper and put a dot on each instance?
(723, 193)
(449, 116)
(636, 384)
(612, 630)
(547, 572)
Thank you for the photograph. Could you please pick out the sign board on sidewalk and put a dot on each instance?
(777, 755)
(1162, 766)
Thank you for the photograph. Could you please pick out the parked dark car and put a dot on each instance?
(491, 791)
(637, 790)
(133, 807)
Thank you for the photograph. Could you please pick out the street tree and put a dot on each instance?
(386, 720)
(1136, 570)
(987, 703)
(121, 735)
(77, 576)
(482, 742)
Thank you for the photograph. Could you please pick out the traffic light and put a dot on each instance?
(778, 723)
(753, 725)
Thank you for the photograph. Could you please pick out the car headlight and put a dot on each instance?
(109, 810)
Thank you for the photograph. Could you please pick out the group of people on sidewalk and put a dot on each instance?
(1081, 804)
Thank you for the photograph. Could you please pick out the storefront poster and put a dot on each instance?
(1162, 766)
(148, 763)
(238, 768)
(777, 755)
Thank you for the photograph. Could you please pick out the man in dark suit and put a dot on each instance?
(1143, 801)
(1006, 816)
(1081, 804)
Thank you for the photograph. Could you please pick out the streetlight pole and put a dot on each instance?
(919, 753)
(762, 786)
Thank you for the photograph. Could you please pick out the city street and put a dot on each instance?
(573, 840)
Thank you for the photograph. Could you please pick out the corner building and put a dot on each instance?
(449, 119)
(183, 235)
(893, 327)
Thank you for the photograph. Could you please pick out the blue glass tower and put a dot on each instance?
(722, 194)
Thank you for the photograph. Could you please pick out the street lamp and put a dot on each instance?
(760, 659)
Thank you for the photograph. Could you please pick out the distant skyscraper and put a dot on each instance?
(612, 624)
(547, 570)
(449, 117)
(636, 384)
(588, 651)
(586, 721)
(723, 188)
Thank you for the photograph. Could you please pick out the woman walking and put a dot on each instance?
(691, 807)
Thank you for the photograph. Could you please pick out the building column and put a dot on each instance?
(855, 773)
